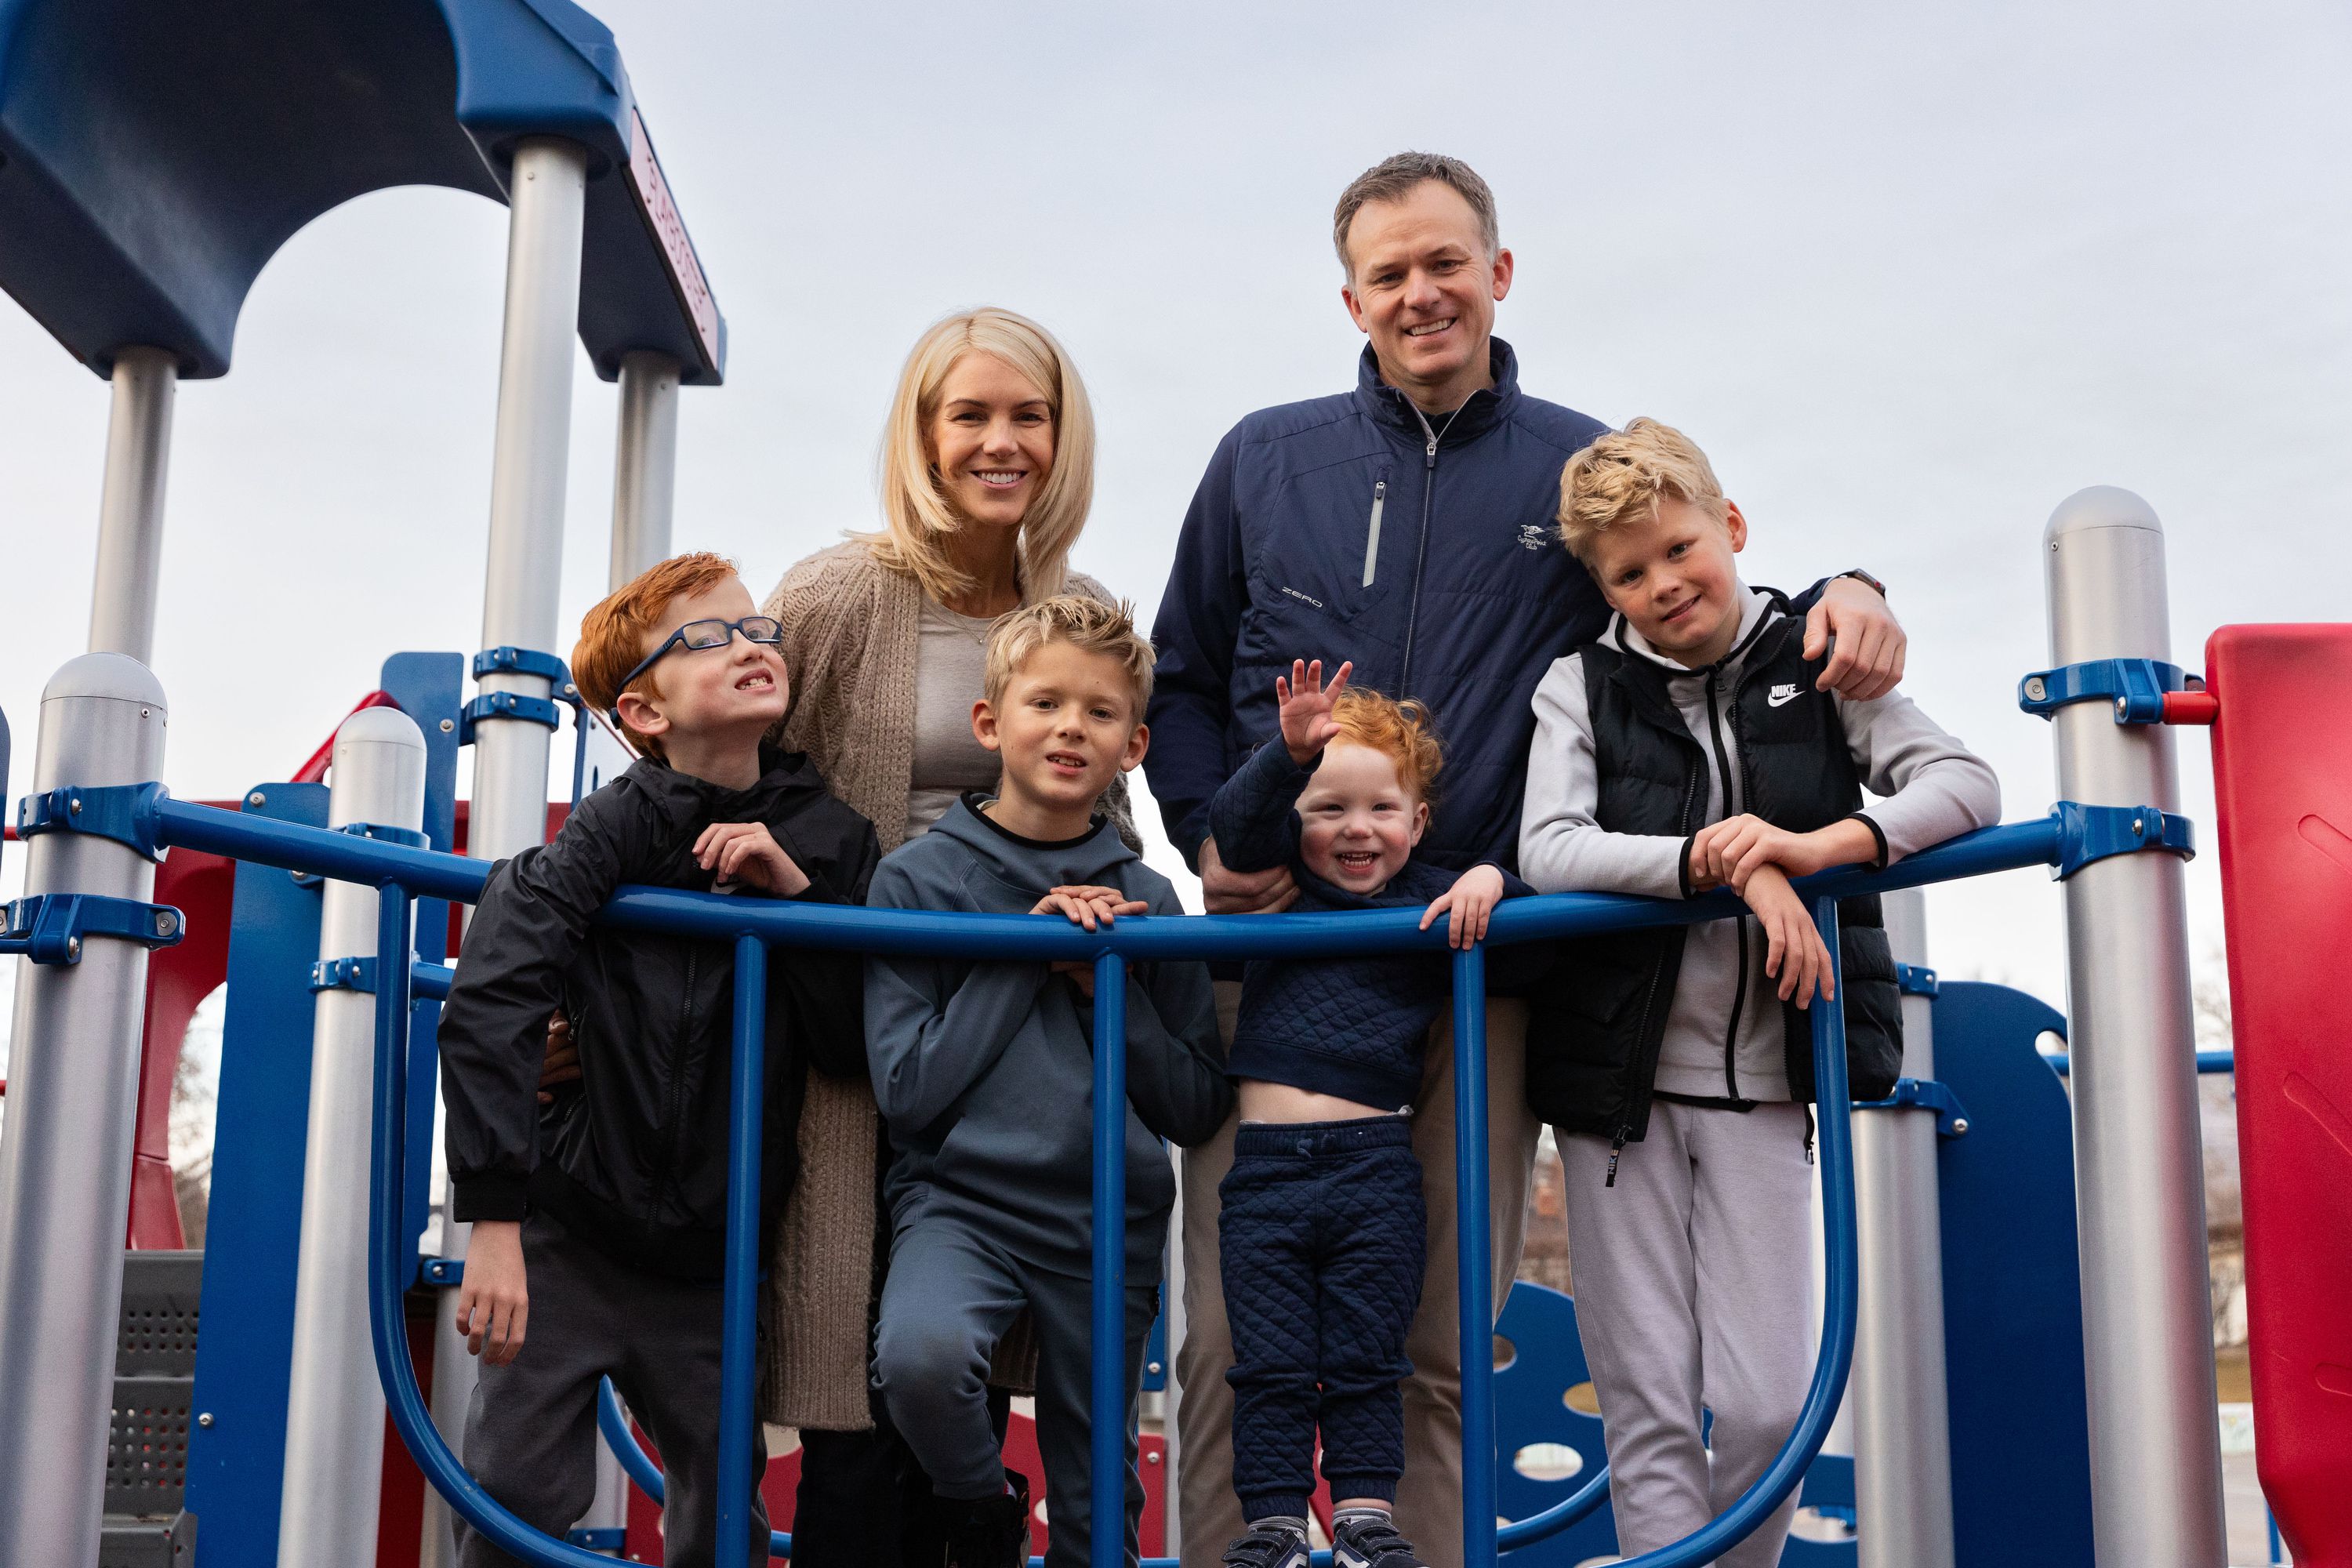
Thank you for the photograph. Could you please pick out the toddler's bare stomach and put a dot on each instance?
(1262, 1101)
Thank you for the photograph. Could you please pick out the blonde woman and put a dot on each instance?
(987, 475)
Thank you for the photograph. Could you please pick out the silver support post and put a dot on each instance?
(130, 505)
(546, 199)
(65, 1158)
(334, 1407)
(645, 463)
(2147, 1337)
(1902, 1460)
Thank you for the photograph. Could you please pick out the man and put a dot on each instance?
(1406, 526)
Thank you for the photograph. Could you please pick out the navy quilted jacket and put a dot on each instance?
(1350, 528)
(1351, 1026)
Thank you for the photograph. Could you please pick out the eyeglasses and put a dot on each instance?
(710, 634)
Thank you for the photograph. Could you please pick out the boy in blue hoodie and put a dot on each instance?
(984, 1071)
(1323, 1226)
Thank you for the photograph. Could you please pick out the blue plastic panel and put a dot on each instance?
(236, 1464)
(2012, 1288)
(154, 157)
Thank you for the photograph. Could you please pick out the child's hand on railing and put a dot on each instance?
(1305, 708)
(1793, 950)
(747, 852)
(493, 1303)
(1471, 902)
(1728, 852)
(1088, 906)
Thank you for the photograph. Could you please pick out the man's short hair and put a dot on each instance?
(1089, 625)
(1402, 732)
(1625, 474)
(1393, 179)
(613, 634)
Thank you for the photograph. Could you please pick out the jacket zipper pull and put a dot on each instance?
(1432, 452)
(1373, 536)
(1615, 1150)
(1809, 1134)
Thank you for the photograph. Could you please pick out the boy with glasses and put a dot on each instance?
(599, 1222)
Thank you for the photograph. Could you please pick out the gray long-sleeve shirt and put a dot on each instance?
(984, 1071)
(1934, 789)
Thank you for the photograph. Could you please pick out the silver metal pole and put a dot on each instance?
(131, 506)
(65, 1158)
(532, 443)
(334, 1405)
(645, 463)
(1902, 1460)
(2156, 1461)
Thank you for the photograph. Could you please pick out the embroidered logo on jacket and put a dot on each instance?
(1533, 536)
(1780, 696)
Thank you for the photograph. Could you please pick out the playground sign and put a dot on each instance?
(661, 216)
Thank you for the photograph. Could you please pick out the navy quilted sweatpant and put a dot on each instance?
(1321, 1242)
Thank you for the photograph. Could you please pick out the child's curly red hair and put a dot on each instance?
(613, 634)
(1399, 729)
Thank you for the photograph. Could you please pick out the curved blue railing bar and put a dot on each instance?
(2061, 1062)
(402, 873)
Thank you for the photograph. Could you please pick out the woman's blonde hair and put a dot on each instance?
(916, 518)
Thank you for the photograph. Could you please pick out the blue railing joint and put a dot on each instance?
(355, 974)
(1917, 980)
(441, 1273)
(1924, 1094)
(2089, 834)
(2135, 686)
(49, 928)
(127, 814)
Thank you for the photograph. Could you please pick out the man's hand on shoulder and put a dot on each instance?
(747, 852)
(1867, 661)
(1244, 892)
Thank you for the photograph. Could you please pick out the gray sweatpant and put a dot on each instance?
(950, 1294)
(1694, 1288)
(530, 1431)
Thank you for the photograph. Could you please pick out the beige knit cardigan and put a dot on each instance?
(852, 627)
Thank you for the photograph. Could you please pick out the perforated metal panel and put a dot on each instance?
(158, 1330)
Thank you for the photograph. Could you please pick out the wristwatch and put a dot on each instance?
(1867, 581)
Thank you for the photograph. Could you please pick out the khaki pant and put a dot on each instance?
(1429, 1499)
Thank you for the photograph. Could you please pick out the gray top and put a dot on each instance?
(984, 1071)
(1935, 789)
(950, 660)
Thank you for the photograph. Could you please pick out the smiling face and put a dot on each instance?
(992, 441)
(1673, 578)
(715, 693)
(1065, 726)
(1423, 288)
(1358, 823)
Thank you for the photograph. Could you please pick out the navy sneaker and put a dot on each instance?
(1370, 1540)
(1268, 1545)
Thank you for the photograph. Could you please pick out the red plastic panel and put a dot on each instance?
(2282, 784)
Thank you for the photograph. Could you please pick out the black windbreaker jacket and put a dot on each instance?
(634, 1157)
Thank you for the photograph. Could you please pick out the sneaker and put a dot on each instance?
(1268, 1545)
(1371, 1542)
(987, 1532)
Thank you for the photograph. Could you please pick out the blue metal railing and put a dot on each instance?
(403, 874)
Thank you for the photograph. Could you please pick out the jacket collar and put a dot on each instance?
(683, 798)
(1759, 607)
(1487, 408)
(1022, 861)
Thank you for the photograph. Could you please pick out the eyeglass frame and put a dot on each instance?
(678, 637)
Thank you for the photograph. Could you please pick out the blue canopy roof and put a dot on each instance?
(155, 153)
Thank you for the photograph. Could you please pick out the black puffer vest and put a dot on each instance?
(1596, 1022)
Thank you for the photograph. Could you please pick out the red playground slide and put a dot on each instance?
(2282, 782)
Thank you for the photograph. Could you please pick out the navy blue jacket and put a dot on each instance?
(1470, 596)
(1355, 1027)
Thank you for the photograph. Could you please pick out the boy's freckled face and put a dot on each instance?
(1673, 577)
(1065, 726)
(743, 685)
(1358, 823)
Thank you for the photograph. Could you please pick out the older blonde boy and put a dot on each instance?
(1691, 748)
(984, 1072)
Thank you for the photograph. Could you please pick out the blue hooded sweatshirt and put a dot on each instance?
(1423, 548)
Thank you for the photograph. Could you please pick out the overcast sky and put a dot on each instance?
(1910, 281)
